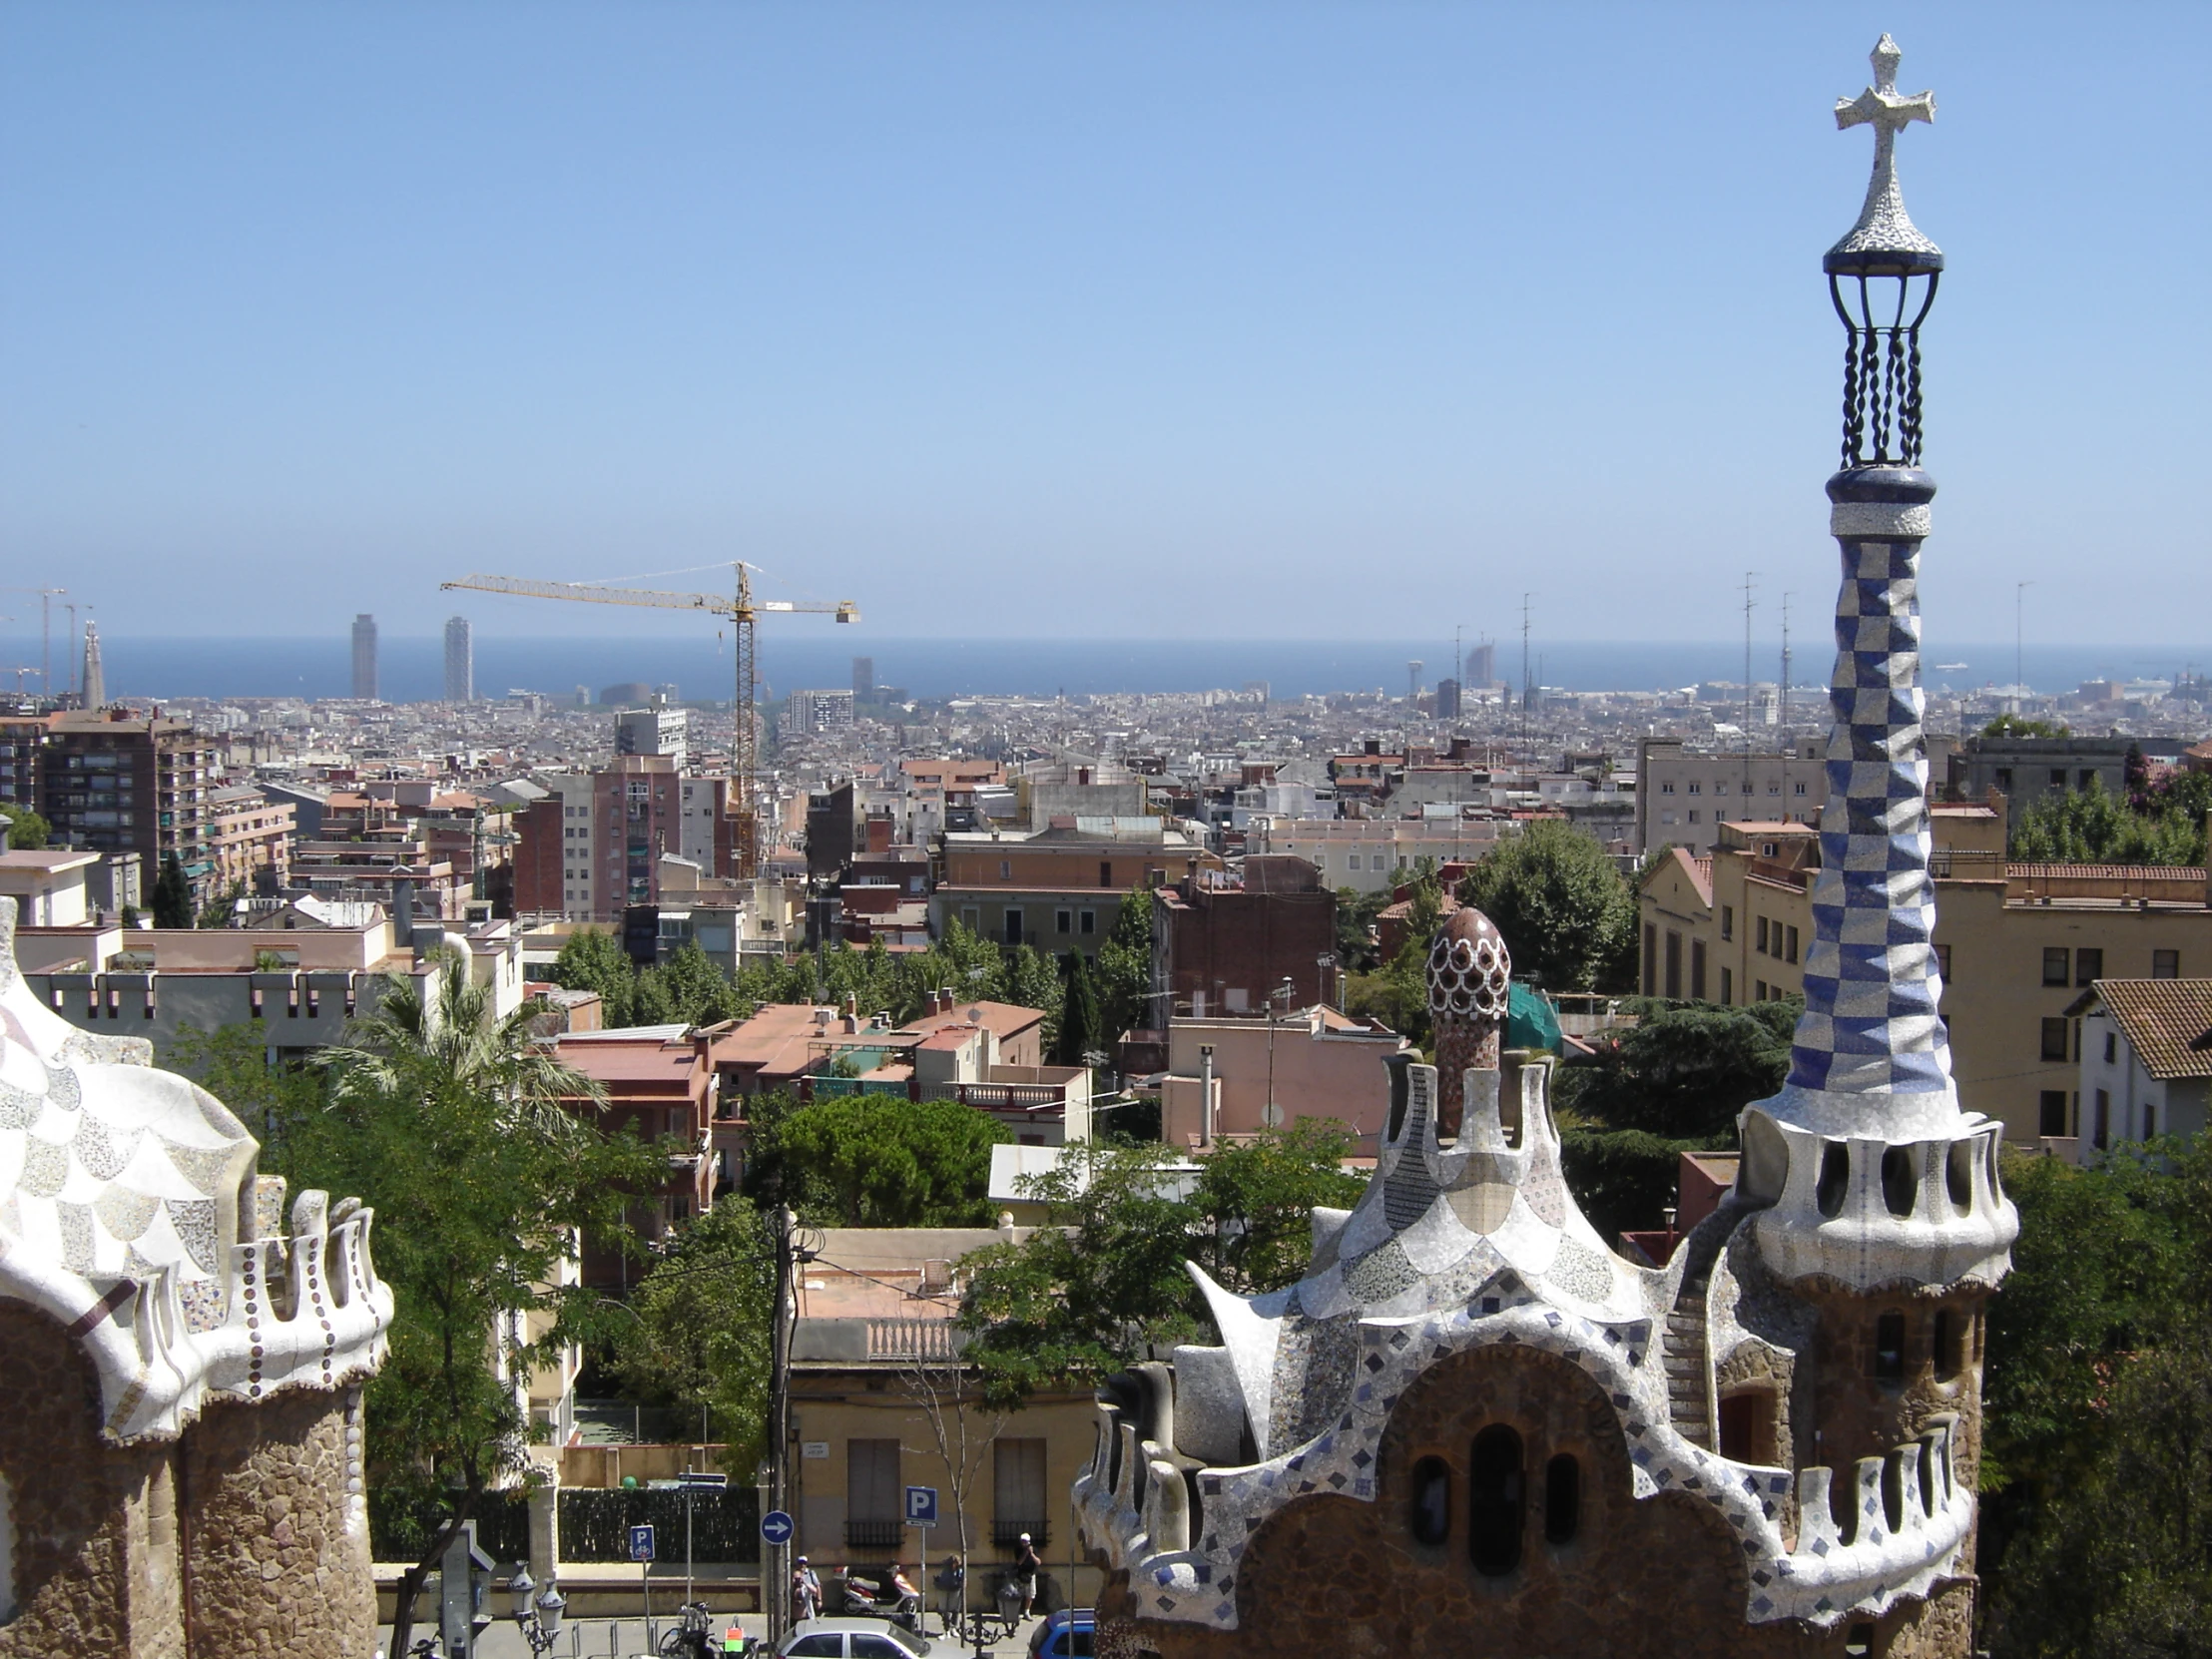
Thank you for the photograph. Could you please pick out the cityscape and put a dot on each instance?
(825, 1107)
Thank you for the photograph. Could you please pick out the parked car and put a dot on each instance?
(850, 1638)
(1069, 1634)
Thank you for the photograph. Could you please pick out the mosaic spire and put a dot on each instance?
(1871, 1055)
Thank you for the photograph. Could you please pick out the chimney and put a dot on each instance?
(852, 1014)
(1205, 1094)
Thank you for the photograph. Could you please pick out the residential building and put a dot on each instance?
(22, 738)
(2146, 1060)
(1683, 796)
(592, 847)
(47, 889)
(810, 712)
(2026, 769)
(1372, 854)
(1269, 1072)
(250, 839)
(1225, 944)
(658, 1079)
(112, 784)
(365, 658)
(1056, 889)
(863, 679)
(873, 1352)
(2015, 944)
(1448, 698)
(460, 661)
(655, 729)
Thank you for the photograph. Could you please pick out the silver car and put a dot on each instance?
(850, 1638)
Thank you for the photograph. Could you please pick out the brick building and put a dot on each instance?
(1221, 945)
(1057, 888)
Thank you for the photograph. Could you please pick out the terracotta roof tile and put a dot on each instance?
(2168, 1023)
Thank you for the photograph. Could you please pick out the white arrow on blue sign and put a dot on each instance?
(641, 1544)
(922, 1505)
(775, 1527)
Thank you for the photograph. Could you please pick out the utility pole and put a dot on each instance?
(2020, 677)
(1789, 745)
(775, 1568)
(1528, 690)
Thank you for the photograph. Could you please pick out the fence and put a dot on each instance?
(595, 1524)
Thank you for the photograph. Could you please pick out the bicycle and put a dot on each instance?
(693, 1636)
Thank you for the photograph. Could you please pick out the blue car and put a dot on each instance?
(1067, 1635)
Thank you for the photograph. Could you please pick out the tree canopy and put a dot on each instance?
(172, 894)
(1685, 1071)
(867, 1160)
(2161, 823)
(1568, 915)
(1079, 1298)
(1123, 971)
(27, 832)
(2024, 726)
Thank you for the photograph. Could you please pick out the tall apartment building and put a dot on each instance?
(460, 661)
(22, 739)
(95, 679)
(863, 678)
(140, 785)
(659, 729)
(1481, 665)
(819, 711)
(1683, 796)
(592, 847)
(365, 658)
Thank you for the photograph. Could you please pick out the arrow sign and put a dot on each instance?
(922, 1505)
(775, 1527)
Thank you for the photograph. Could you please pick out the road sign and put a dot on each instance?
(922, 1505)
(695, 1478)
(641, 1544)
(775, 1527)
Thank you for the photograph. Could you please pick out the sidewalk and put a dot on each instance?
(628, 1638)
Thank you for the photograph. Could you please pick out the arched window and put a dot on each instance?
(1563, 1500)
(1889, 1348)
(1496, 1498)
(1431, 1518)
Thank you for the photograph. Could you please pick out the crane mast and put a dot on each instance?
(743, 610)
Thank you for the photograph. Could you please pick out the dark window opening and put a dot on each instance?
(2088, 965)
(1899, 1182)
(2165, 964)
(2051, 1112)
(1861, 1640)
(1889, 1353)
(2104, 1118)
(1431, 1518)
(1563, 1500)
(1747, 1426)
(1949, 1356)
(1835, 1180)
(1495, 1501)
(2054, 1037)
(2055, 966)
(2111, 1047)
(1105, 872)
(1893, 1491)
(1959, 1174)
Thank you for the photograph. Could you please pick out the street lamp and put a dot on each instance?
(539, 1620)
(1284, 991)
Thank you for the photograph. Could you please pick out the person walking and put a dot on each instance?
(806, 1591)
(1027, 1564)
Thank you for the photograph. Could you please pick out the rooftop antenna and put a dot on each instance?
(2020, 678)
(1528, 690)
(1747, 602)
(1789, 744)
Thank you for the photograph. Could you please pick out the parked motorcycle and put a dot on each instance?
(879, 1599)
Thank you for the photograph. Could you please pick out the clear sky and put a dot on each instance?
(1184, 319)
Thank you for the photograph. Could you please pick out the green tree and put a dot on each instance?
(1081, 1298)
(2092, 826)
(27, 832)
(592, 959)
(1357, 952)
(879, 1161)
(1568, 915)
(1123, 971)
(172, 894)
(220, 908)
(1685, 1071)
(699, 1342)
(1082, 1026)
(2022, 726)
(1396, 994)
(451, 1123)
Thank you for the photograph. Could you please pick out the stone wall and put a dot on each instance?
(278, 1560)
(1655, 1577)
(96, 1573)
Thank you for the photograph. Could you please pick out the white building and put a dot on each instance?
(1369, 854)
(819, 711)
(2146, 1060)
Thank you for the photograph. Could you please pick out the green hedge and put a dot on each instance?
(595, 1524)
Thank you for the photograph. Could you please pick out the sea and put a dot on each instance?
(412, 669)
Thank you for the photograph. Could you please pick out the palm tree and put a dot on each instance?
(453, 1033)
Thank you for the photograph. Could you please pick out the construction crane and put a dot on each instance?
(744, 611)
(47, 596)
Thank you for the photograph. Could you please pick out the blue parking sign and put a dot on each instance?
(922, 1505)
(641, 1544)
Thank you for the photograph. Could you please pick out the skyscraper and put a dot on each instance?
(460, 661)
(95, 682)
(1481, 665)
(365, 658)
(863, 679)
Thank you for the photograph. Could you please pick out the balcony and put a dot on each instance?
(1006, 1534)
(873, 1535)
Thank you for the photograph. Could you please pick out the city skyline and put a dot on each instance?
(916, 309)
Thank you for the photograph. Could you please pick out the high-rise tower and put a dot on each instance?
(365, 658)
(460, 661)
(95, 679)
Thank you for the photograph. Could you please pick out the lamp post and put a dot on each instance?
(1282, 991)
(537, 1613)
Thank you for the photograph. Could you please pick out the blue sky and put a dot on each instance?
(1194, 320)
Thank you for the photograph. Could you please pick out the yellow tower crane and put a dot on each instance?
(744, 611)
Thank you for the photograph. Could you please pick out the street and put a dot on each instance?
(629, 1639)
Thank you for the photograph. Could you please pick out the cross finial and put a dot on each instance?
(1883, 227)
